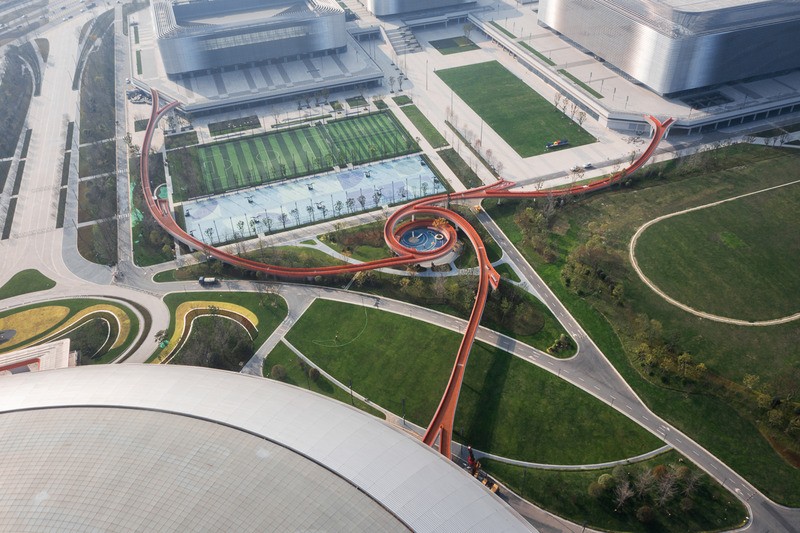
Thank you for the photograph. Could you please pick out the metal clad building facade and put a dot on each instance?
(212, 34)
(676, 45)
(383, 8)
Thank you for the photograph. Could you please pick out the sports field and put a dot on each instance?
(525, 120)
(738, 259)
(216, 168)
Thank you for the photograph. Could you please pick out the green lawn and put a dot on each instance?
(454, 45)
(525, 120)
(538, 54)
(424, 126)
(507, 406)
(24, 282)
(565, 494)
(297, 376)
(99, 158)
(580, 83)
(270, 309)
(219, 167)
(738, 259)
(75, 305)
(716, 415)
(460, 168)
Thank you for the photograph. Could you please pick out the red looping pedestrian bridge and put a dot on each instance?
(440, 428)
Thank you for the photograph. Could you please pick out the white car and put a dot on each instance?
(587, 166)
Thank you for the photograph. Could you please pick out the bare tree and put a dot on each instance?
(468, 27)
(391, 83)
(644, 482)
(557, 99)
(581, 118)
(622, 493)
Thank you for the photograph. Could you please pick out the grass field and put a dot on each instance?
(565, 494)
(738, 259)
(424, 126)
(454, 45)
(726, 425)
(220, 167)
(460, 168)
(26, 281)
(525, 120)
(506, 406)
(297, 376)
(270, 309)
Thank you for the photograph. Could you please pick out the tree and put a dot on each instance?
(581, 117)
(296, 215)
(284, 219)
(468, 27)
(391, 83)
(310, 210)
(750, 381)
(644, 482)
(337, 207)
(350, 204)
(595, 490)
(362, 200)
(557, 100)
(278, 372)
(645, 514)
(313, 373)
(210, 234)
(622, 493)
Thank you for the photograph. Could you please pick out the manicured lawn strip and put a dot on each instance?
(356, 101)
(502, 407)
(76, 305)
(581, 84)
(507, 272)
(141, 124)
(24, 282)
(502, 29)
(97, 86)
(424, 126)
(729, 351)
(465, 174)
(402, 100)
(282, 355)
(454, 45)
(138, 61)
(65, 169)
(364, 242)
(12, 207)
(18, 178)
(96, 242)
(525, 120)
(297, 256)
(737, 259)
(179, 140)
(5, 166)
(25, 144)
(216, 129)
(16, 86)
(99, 158)
(62, 205)
(70, 129)
(270, 309)
(538, 54)
(565, 494)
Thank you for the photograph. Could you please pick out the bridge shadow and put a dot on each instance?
(479, 402)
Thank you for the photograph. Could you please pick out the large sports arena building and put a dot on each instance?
(383, 8)
(208, 35)
(171, 448)
(672, 46)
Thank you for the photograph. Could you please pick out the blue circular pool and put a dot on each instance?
(423, 239)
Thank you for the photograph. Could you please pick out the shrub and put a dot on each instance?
(278, 372)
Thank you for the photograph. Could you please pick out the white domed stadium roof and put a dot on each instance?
(172, 448)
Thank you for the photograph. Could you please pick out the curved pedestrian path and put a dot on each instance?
(696, 312)
(440, 428)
